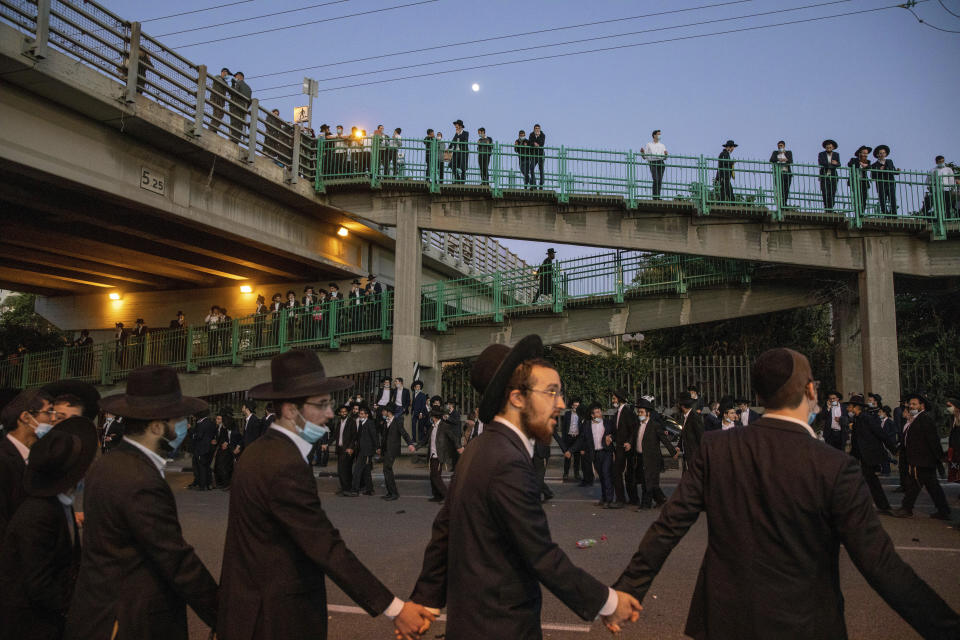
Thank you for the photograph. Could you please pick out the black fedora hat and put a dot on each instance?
(877, 148)
(861, 148)
(458, 122)
(686, 399)
(87, 393)
(153, 393)
(495, 367)
(856, 399)
(829, 141)
(643, 403)
(61, 458)
(298, 373)
(730, 143)
(919, 396)
(621, 395)
(437, 412)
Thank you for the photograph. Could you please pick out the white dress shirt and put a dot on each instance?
(597, 434)
(574, 429)
(433, 439)
(640, 432)
(22, 449)
(835, 413)
(655, 149)
(160, 463)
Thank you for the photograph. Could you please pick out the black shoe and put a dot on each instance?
(368, 493)
(435, 499)
(902, 513)
(566, 479)
(338, 492)
(390, 498)
(600, 503)
(350, 494)
(884, 512)
(545, 498)
(615, 505)
(940, 515)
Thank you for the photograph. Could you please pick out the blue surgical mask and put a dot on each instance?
(42, 429)
(811, 417)
(311, 431)
(180, 427)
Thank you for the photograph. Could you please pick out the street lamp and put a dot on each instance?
(310, 88)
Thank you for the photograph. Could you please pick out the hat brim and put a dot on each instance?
(921, 398)
(877, 149)
(528, 348)
(829, 141)
(40, 484)
(643, 404)
(87, 393)
(141, 409)
(266, 391)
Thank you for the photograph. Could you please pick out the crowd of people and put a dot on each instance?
(69, 574)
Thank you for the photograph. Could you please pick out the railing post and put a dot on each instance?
(189, 363)
(374, 162)
(293, 173)
(385, 315)
(64, 358)
(196, 128)
(25, 370)
(235, 342)
(441, 303)
(133, 64)
(282, 332)
(938, 202)
(777, 192)
(496, 174)
(856, 188)
(432, 169)
(334, 313)
(618, 294)
(318, 185)
(254, 112)
(38, 48)
(681, 283)
(557, 293)
(631, 180)
(564, 194)
(703, 207)
(106, 362)
(497, 302)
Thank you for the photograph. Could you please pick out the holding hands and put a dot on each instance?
(628, 610)
(412, 621)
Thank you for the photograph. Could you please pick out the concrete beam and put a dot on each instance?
(670, 230)
(878, 320)
(643, 314)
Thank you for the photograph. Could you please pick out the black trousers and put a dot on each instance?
(633, 476)
(887, 193)
(437, 487)
(459, 166)
(362, 474)
(526, 168)
(785, 179)
(203, 467)
(863, 193)
(345, 470)
(483, 160)
(540, 465)
(724, 190)
(657, 167)
(828, 189)
(603, 465)
(536, 161)
(876, 490)
(925, 477)
(388, 478)
(619, 471)
(651, 483)
(574, 459)
(586, 466)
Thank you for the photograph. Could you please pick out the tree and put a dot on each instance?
(21, 325)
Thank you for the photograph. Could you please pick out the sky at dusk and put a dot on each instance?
(869, 78)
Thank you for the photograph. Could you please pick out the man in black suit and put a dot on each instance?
(418, 410)
(711, 418)
(277, 527)
(401, 398)
(885, 175)
(442, 442)
(922, 454)
(625, 426)
(541, 458)
(829, 160)
(364, 446)
(595, 444)
(833, 422)
(491, 547)
(692, 429)
(389, 448)
(484, 150)
(747, 415)
(650, 435)
(724, 188)
(25, 418)
(782, 160)
(41, 550)
(204, 446)
(538, 140)
(137, 573)
(252, 425)
(868, 443)
(570, 431)
(460, 148)
(780, 503)
(228, 447)
(343, 435)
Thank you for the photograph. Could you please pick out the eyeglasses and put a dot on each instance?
(49, 412)
(320, 405)
(553, 393)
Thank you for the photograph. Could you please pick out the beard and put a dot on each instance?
(539, 428)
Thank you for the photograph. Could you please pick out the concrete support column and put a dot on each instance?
(408, 347)
(847, 348)
(878, 320)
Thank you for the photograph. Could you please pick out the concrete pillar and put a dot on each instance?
(847, 349)
(408, 347)
(878, 320)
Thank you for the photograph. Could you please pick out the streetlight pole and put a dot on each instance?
(311, 89)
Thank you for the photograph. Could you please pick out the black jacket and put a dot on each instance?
(280, 547)
(392, 433)
(884, 171)
(404, 399)
(458, 142)
(366, 440)
(203, 436)
(420, 400)
(12, 467)
(691, 435)
(922, 442)
(252, 430)
(38, 569)
(724, 165)
(349, 432)
(584, 441)
(625, 428)
(869, 440)
(826, 166)
(787, 166)
(136, 568)
(491, 548)
(780, 504)
(448, 441)
(540, 141)
(654, 435)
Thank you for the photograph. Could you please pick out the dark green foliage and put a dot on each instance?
(21, 325)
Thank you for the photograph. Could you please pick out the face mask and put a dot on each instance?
(851, 414)
(726, 421)
(940, 165)
(65, 499)
(643, 418)
(951, 410)
(180, 427)
(42, 429)
(311, 431)
(914, 412)
(872, 405)
(811, 417)
(835, 403)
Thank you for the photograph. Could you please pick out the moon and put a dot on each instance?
(475, 87)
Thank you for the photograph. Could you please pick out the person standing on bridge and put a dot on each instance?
(538, 140)
(484, 149)
(544, 276)
(828, 160)
(459, 145)
(782, 160)
(655, 153)
(724, 189)
(218, 95)
(428, 142)
(521, 146)
(240, 104)
(860, 177)
(779, 504)
(884, 174)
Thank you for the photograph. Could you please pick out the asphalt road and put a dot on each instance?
(389, 538)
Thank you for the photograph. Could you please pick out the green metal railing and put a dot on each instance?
(608, 278)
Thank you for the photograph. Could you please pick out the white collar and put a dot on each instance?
(780, 416)
(159, 462)
(302, 445)
(22, 449)
(528, 442)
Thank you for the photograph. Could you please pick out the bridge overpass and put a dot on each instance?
(280, 194)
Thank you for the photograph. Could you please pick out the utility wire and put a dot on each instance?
(947, 9)
(264, 15)
(503, 37)
(604, 49)
(924, 22)
(307, 24)
(569, 42)
(186, 13)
